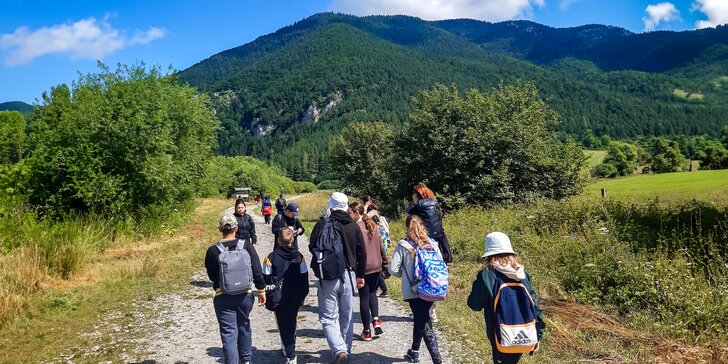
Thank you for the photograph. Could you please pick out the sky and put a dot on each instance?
(46, 43)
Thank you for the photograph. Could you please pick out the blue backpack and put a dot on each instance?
(431, 273)
(515, 316)
(328, 252)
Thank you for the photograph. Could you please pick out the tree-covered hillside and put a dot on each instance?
(19, 106)
(282, 96)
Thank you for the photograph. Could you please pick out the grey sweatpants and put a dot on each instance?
(336, 312)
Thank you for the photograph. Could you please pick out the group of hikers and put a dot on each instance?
(349, 247)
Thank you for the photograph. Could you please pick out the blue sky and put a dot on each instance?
(45, 43)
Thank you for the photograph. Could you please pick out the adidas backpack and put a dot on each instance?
(236, 272)
(328, 252)
(431, 271)
(515, 316)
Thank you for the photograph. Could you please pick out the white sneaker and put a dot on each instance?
(292, 361)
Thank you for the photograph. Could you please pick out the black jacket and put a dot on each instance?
(354, 250)
(280, 204)
(282, 221)
(246, 228)
(213, 268)
(429, 211)
(295, 277)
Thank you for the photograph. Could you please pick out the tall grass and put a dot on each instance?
(657, 265)
(34, 252)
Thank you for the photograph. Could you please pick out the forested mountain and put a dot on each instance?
(283, 95)
(16, 106)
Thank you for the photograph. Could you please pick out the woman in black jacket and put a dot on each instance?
(427, 208)
(246, 226)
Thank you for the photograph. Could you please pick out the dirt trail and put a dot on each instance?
(181, 328)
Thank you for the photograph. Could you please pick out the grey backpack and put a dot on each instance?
(236, 273)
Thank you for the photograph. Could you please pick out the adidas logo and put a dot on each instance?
(521, 339)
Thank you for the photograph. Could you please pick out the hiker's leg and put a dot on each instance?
(245, 335)
(371, 281)
(501, 358)
(225, 312)
(286, 317)
(431, 344)
(346, 309)
(420, 312)
(383, 284)
(364, 311)
(328, 302)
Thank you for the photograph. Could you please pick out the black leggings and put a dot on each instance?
(383, 284)
(368, 302)
(421, 312)
(286, 315)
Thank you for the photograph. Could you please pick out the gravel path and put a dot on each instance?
(181, 327)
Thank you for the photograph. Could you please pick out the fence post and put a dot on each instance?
(604, 193)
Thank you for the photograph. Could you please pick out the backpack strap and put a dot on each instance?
(220, 247)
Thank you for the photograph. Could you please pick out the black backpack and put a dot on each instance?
(274, 292)
(328, 252)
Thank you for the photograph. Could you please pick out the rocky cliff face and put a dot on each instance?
(315, 111)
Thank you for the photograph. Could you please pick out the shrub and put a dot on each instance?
(605, 170)
(116, 143)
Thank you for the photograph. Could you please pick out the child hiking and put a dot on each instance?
(503, 290)
(403, 265)
(267, 209)
(286, 279)
(376, 261)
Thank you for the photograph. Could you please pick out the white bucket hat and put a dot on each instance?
(497, 243)
(338, 201)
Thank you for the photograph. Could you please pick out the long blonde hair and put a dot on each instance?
(503, 260)
(416, 231)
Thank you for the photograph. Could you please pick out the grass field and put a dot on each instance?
(700, 185)
(596, 157)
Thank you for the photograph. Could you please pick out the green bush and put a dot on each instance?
(605, 170)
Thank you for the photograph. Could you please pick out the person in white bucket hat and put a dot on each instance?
(497, 243)
(503, 266)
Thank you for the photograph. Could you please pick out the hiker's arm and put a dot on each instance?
(445, 248)
(255, 265)
(275, 226)
(395, 266)
(253, 236)
(299, 226)
(314, 237)
(476, 299)
(540, 325)
(211, 266)
(361, 255)
(385, 260)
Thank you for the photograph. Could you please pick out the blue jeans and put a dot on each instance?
(233, 316)
(336, 312)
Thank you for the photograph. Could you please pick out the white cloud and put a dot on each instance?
(715, 10)
(658, 13)
(491, 10)
(84, 39)
(566, 3)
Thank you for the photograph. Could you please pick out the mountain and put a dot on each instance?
(16, 106)
(283, 95)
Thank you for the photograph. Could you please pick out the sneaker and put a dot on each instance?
(292, 360)
(377, 323)
(366, 335)
(384, 294)
(341, 358)
(433, 315)
(412, 356)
